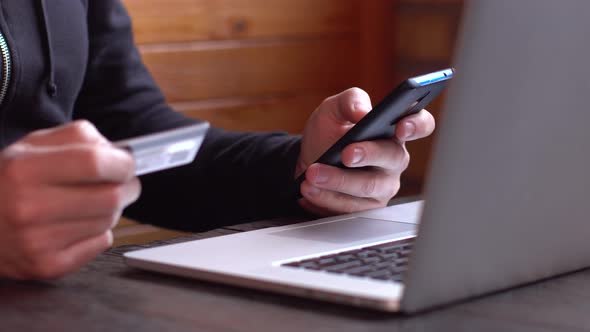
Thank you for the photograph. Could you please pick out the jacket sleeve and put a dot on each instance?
(236, 177)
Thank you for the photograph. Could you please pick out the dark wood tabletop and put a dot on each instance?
(107, 295)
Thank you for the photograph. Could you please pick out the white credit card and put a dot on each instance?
(166, 149)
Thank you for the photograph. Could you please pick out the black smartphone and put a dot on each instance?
(411, 96)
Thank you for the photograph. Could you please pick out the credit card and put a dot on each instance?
(166, 149)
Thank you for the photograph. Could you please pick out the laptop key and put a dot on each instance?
(326, 261)
(359, 271)
(380, 274)
(310, 265)
(405, 252)
(344, 266)
(398, 269)
(370, 260)
(402, 261)
(390, 255)
(346, 258)
(365, 254)
(383, 265)
(390, 248)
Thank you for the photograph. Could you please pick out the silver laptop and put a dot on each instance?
(508, 195)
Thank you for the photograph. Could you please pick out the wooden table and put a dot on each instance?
(106, 295)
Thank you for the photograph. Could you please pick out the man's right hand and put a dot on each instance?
(62, 190)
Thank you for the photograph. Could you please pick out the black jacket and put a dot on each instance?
(76, 59)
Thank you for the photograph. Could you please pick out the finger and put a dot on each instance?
(349, 106)
(59, 236)
(316, 211)
(76, 164)
(415, 126)
(386, 154)
(80, 131)
(331, 202)
(83, 230)
(369, 183)
(57, 264)
(72, 203)
(10, 269)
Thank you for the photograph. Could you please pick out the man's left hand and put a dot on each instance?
(329, 190)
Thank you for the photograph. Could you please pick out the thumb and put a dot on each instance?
(352, 105)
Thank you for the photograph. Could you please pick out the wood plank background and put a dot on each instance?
(164, 21)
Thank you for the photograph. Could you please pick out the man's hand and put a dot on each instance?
(330, 190)
(61, 192)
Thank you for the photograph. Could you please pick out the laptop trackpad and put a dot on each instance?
(347, 230)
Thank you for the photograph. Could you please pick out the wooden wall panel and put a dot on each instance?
(190, 20)
(231, 69)
(288, 113)
(377, 45)
(426, 36)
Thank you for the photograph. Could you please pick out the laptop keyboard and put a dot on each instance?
(385, 261)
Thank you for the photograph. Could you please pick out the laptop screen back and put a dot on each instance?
(508, 197)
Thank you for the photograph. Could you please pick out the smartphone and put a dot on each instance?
(166, 149)
(411, 96)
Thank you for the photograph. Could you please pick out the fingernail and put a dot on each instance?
(313, 191)
(358, 155)
(360, 107)
(409, 129)
(321, 177)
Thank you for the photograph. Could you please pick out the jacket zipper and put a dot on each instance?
(5, 68)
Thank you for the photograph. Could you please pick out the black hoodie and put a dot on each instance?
(76, 59)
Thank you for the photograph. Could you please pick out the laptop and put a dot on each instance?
(507, 200)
